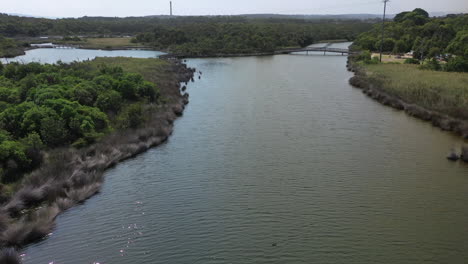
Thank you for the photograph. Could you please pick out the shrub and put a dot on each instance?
(131, 116)
(457, 64)
(109, 101)
(364, 56)
(432, 65)
(412, 61)
(53, 131)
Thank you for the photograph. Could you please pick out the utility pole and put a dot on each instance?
(383, 28)
(170, 5)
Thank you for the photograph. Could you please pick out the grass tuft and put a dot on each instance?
(9, 256)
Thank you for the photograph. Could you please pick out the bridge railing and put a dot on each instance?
(318, 49)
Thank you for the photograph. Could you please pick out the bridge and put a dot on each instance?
(54, 46)
(316, 49)
(323, 49)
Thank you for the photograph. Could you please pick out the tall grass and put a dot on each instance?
(9, 256)
(444, 92)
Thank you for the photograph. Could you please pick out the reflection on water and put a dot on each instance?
(276, 160)
(70, 55)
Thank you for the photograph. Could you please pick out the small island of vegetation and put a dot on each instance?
(63, 125)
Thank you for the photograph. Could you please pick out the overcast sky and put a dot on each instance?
(77, 8)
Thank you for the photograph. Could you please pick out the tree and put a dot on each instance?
(367, 42)
(305, 41)
(457, 64)
(33, 118)
(132, 116)
(400, 47)
(84, 93)
(109, 101)
(53, 131)
(421, 12)
(434, 52)
(388, 45)
(459, 45)
(400, 17)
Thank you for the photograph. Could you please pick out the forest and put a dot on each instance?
(15, 26)
(9, 47)
(193, 35)
(240, 38)
(50, 106)
(431, 39)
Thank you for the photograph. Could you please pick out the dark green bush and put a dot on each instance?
(457, 64)
(432, 65)
(412, 61)
(47, 106)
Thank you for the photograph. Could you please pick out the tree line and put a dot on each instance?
(9, 47)
(194, 35)
(49, 106)
(431, 39)
(14, 26)
(208, 38)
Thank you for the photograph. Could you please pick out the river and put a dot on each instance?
(277, 159)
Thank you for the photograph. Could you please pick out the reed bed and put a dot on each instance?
(444, 92)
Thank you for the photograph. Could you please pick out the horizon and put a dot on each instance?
(141, 8)
(432, 14)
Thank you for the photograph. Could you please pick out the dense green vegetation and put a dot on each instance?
(207, 38)
(49, 106)
(13, 26)
(9, 48)
(193, 35)
(100, 43)
(430, 39)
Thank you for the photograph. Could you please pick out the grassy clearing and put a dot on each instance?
(151, 69)
(160, 72)
(105, 43)
(444, 92)
(389, 58)
(110, 42)
(154, 70)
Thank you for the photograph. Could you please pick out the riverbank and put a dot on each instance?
(11, 53)
(70, 176)
(437, 97)
(10, 48)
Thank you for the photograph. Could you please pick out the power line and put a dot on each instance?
(383, 28)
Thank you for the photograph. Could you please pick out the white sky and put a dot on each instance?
(78, 8)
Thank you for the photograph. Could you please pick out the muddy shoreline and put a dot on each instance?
(70, 176)
(440, 120)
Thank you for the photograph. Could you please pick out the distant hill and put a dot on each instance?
(25, 15)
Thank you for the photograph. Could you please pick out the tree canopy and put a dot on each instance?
(48, 106)
(193, 35)
(208, 38)
(439, 37)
